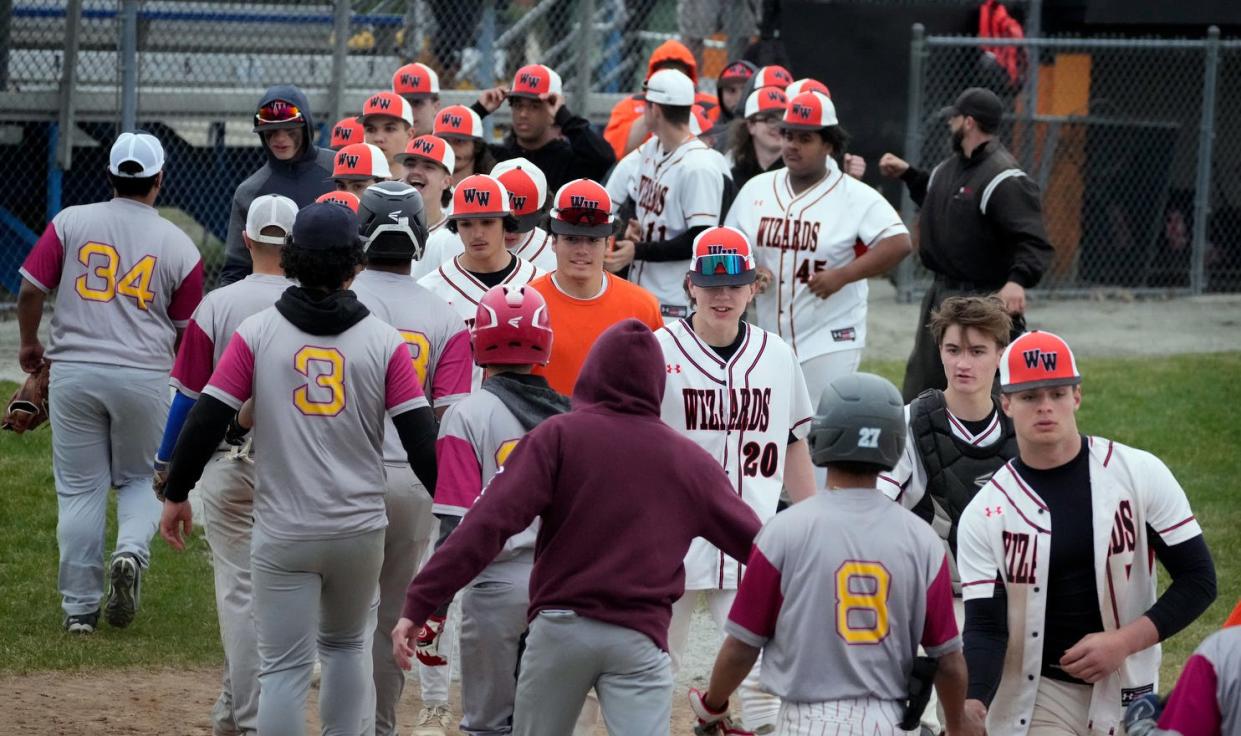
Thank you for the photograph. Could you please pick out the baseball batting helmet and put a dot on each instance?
(392, 221)
(512, 327)
(860, 419)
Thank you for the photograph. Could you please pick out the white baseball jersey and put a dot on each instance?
(439, 345)
(623, 175)
(442, 245)
(319, 408)
(796, 236)
(125, 278)
(839, 592)
(1005, 537)
(215, 320)
(742, 413)
(536, 247)
(673, 192)
(476, 437)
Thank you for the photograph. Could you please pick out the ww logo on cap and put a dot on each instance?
(381, 102)
(411, 80)
(349, 160)
(472, 194)
(424, 146)
(802, 111)
(583, 203)
(529, 80)
(453, 120)
(1034, 357)
(516, 201)
(343, 132)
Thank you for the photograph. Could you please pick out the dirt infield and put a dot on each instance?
(160, 702)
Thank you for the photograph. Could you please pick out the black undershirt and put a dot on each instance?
(495, 278)
(726, 353)
(1071, 590)
(977, 427)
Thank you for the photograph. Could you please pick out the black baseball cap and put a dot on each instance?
(325, 226)
(981, 104)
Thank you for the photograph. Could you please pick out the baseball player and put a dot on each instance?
(511, 335)
(347, 130)
(463, 129)
(429, 162)
(322, 372)
(389, 123)
(346, 199)
(757, 140)
(393, 231)
(820, 234)
(737, 391)
(1072, 525)
(357, 166)
(527, 193)
(598, 612)
(876, 574)
(227, 485)
(126, 283)
(420, 86)
(679, 192)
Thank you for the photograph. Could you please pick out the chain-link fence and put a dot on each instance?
(1134, 144)
(192, 71)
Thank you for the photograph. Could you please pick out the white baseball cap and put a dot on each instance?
(143, 149)
(270, 210)
(669, 87)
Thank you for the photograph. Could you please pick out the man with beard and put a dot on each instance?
(981, 224)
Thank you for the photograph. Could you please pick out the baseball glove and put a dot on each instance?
(28, 407)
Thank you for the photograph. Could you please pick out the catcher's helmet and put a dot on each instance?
(392, 221)
(512, 327)
(860, 419)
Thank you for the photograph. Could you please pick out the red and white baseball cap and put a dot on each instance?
(766, 100)
(722, 257)
(536, 81)
(1037, 360)
(699, 123)
(358, 161)
(584, 208)
(809, 111)
(414, 81)
(347, 130)
(527, 190)
(807, 85)
(348, 199)
(773, 76)
(669, 87)
(388, 105)
(459, 122)
(432, 148)
(478, 197)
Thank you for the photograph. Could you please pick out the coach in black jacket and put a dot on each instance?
(981, 226)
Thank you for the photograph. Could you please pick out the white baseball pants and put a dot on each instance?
(869, 716)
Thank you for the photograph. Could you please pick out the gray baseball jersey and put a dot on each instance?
(213, 323)
(476, 436)
(319, 407)
(872, 571)
(1207, 697)
(126, 281)
(439, 344)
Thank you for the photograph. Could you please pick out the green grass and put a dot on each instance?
(1181, 408)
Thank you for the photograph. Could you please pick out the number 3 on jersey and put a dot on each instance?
(326, 369)
(862, 601)
(100, 284)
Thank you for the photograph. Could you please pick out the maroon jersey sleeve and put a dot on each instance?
(753, 616)
(43, 265)
(1193, 709)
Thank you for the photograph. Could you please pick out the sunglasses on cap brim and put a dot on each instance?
(722, 269)
(584, 221)
(279, 113)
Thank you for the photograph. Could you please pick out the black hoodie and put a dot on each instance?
(620, 493)
(301, 179)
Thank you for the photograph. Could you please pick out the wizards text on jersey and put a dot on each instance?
(748, 409)
(651, 195)
(786, 234)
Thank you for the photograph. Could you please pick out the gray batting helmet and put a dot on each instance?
(392, 221)
(860, 419)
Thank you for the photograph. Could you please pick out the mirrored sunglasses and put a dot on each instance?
(721, 264)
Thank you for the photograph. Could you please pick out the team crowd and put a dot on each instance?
(519, 408)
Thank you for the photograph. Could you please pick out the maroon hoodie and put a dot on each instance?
(621, 495)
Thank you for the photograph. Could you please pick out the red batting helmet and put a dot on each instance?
(512, 327)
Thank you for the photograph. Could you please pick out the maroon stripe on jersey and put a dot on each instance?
(1177, 525)
(977, 582)
(799, 423)
(690, 358)
(1024, 487)
(1017, 508)
(1110, 446)
(1111, 591)
(759, 597)
(703, 347)
(458, 289)
(829, 190)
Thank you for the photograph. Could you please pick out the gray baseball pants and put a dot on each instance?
(410, 525)
(106, 425)
(315, 595)
(493, 619)
(567, 654)
(227, 493)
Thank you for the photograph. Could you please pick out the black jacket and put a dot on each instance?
(581, 154)
(981, 220)
(302, 180)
